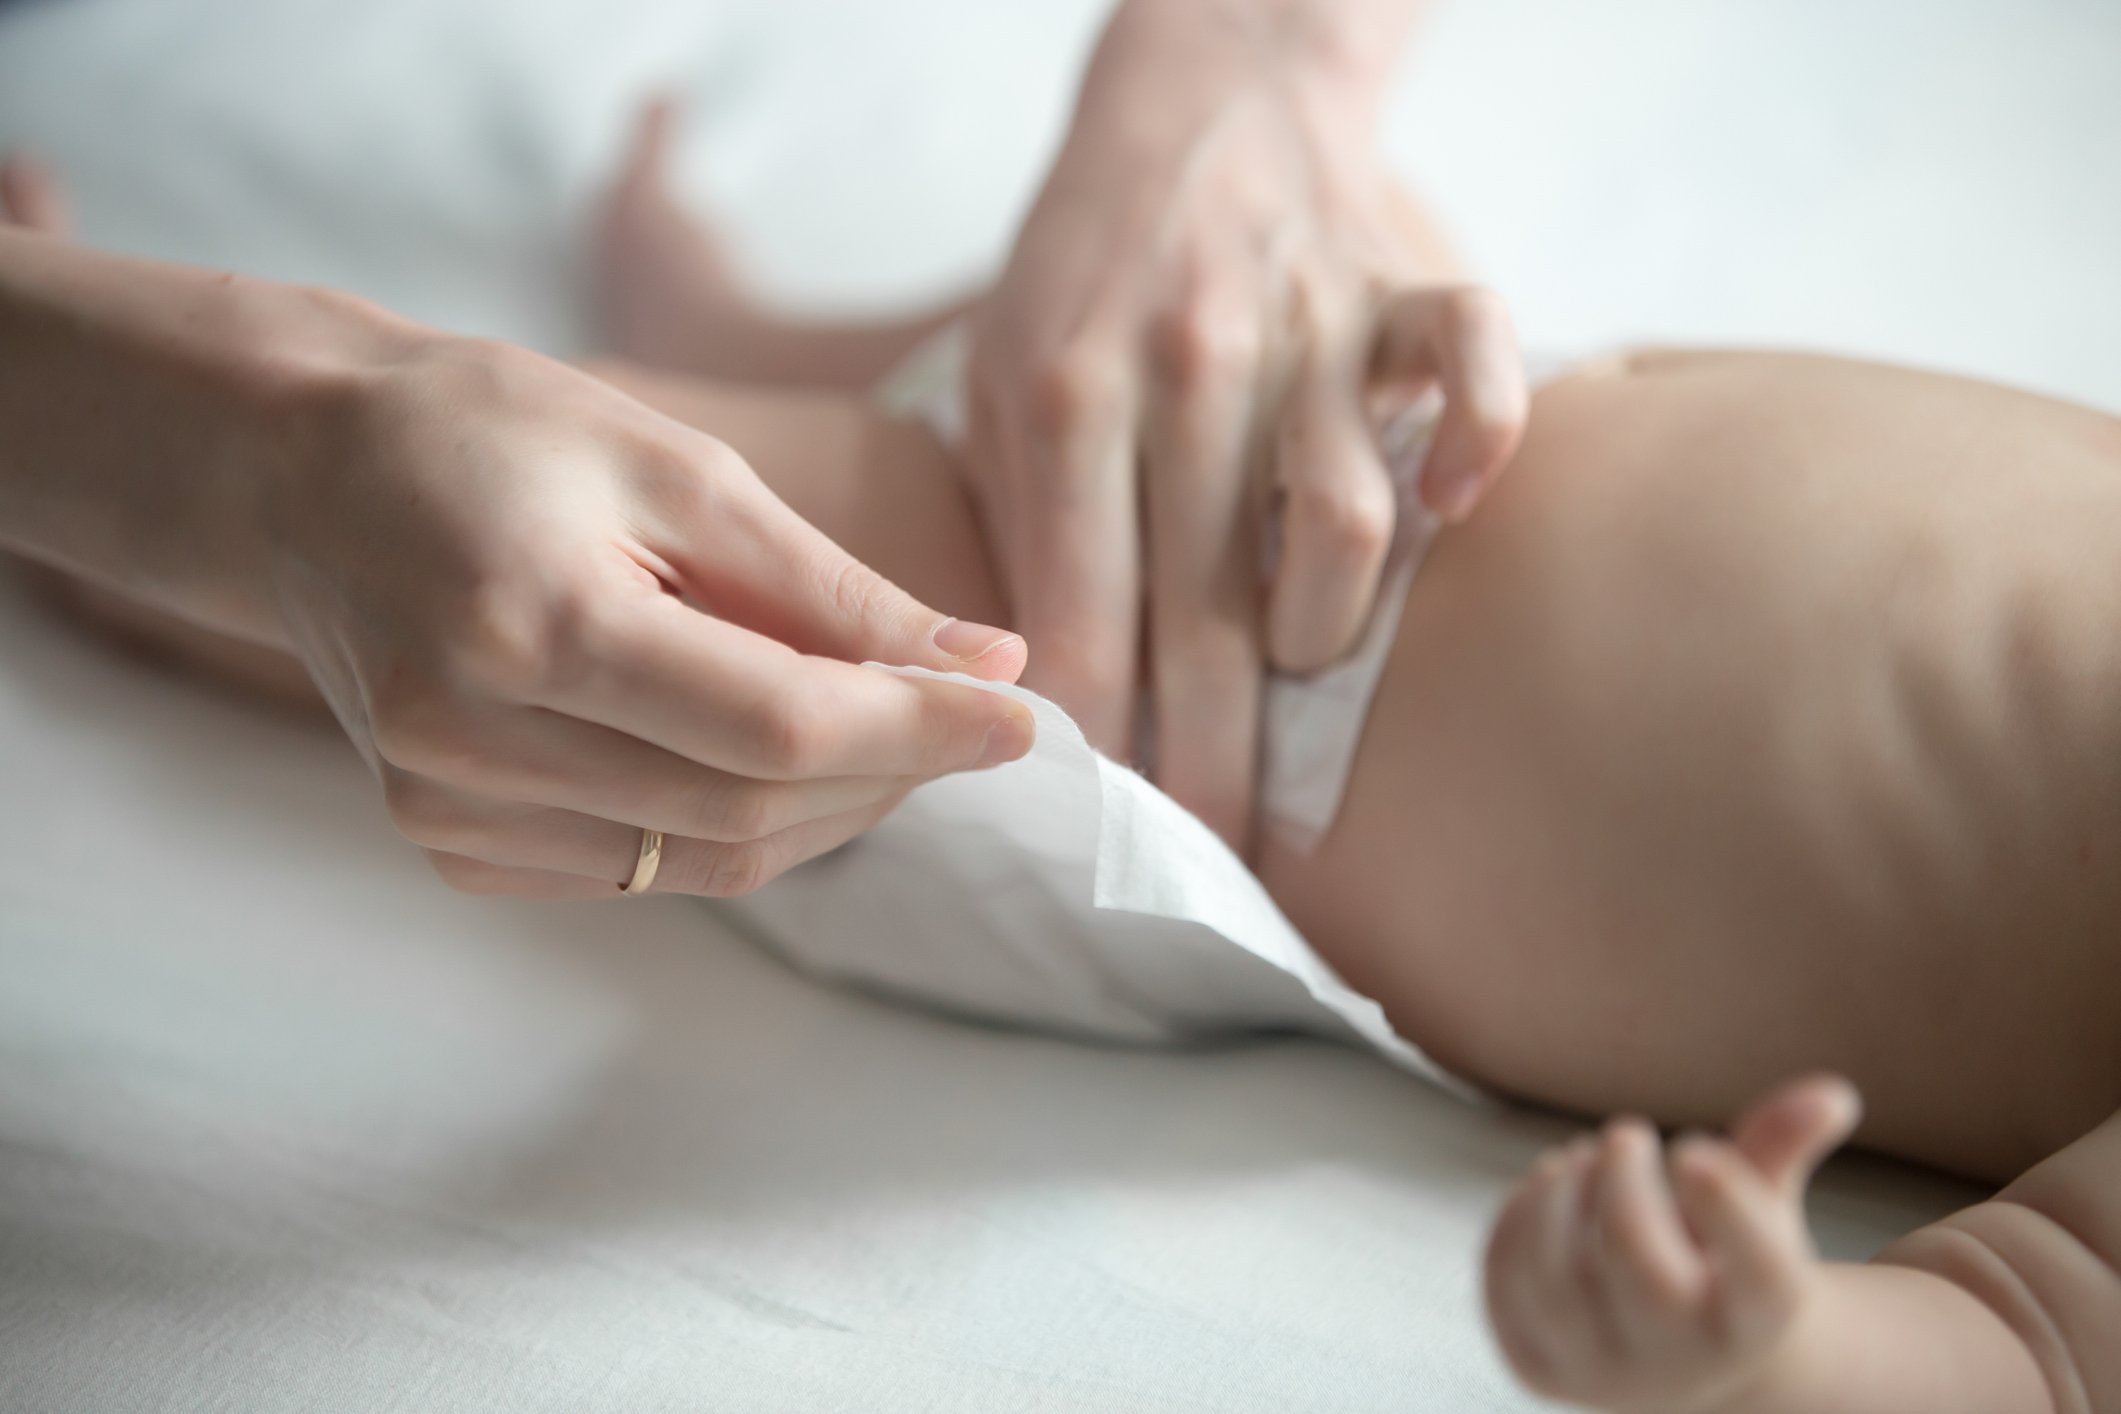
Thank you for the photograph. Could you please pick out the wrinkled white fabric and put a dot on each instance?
(287, 1126)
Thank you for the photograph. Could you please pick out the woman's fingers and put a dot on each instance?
(476, 876)
(536, 846)
(744, 554)
(1066, 516)
(1338, 514)
(1340, 502)
(1203, 566)
(1461, 340)
(542, 758)
(731, 870)
(728, 698)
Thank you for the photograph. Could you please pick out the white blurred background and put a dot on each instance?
(1930, 182)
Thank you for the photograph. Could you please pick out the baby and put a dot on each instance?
(1765, 722)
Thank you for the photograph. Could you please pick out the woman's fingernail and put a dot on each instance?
(1007, 740)
(968, 643)
(1452, 498)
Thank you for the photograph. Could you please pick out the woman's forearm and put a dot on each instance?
(140, 416)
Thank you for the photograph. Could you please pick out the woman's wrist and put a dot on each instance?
(311, 361)
(1187, 59)
(154, 410)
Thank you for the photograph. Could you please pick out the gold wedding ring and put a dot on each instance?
(650, 860)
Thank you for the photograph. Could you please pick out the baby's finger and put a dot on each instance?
(1510, 1279)
(1594, 1264)
(1755, 1241)
(1568, 1301)
(1654, 1275)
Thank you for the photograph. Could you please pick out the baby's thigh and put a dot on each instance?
(1756, 670)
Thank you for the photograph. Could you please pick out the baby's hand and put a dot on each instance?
(1604, 1290)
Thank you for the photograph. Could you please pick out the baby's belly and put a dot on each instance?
(1769, 717)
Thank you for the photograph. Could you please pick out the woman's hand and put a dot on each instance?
(1186, 341)
(550, 617)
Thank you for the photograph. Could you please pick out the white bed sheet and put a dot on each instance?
(284, 1125)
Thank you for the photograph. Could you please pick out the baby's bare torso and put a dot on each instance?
(1768, 718)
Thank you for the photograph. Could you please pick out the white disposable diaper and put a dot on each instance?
(1067, 893)
(1064, 892)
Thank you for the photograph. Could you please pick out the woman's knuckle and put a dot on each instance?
(709, 462)
(797, 734)
(730, 870)
(500, 640)
(1094, 669)
(1068, 388)
(1199, 347)
(1465, 309)
(680, 478)
(1347, 520)
(575, 637)
(417, 808)
(732, 808)
(854, 593)
(414, 724)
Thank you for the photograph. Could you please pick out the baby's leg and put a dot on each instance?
(1625, 1277)
(671, 297)
(882, 487)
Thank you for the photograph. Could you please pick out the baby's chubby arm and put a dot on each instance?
(2042, 1261)
(1622, 1281)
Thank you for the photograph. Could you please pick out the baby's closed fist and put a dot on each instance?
(1625, 1275)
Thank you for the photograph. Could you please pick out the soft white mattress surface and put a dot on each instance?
(285, 1125)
